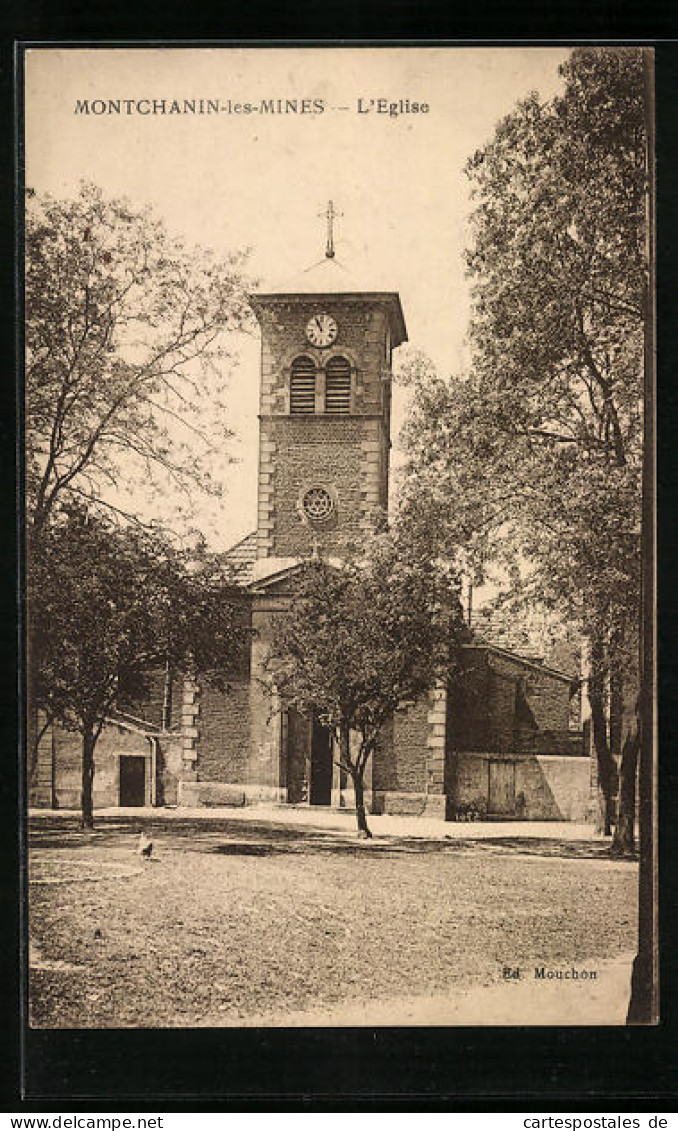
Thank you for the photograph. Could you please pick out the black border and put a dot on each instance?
(352, 1069)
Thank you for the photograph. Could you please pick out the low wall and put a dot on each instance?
(548, 787)
(213, 794)
(66, 770)
(59, 771)
(408, 804)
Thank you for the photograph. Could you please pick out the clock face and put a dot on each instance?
(322, 330)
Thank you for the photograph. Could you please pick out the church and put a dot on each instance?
(497, 741)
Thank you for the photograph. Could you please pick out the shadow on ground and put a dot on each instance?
(269, 838)
(538, 846)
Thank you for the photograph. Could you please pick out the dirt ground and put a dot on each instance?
(261, 922)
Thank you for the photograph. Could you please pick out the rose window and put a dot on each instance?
(317, 504)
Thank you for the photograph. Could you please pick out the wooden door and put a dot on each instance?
(132, 780)
(298, 757)
(501, 800)
(321, 766)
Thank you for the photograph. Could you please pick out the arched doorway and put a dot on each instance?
(309, 765)
(321, 765)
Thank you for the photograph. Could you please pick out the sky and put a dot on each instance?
(260, 180)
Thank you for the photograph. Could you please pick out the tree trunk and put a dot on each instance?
(88, 744)
(166, 720)
(344, 741)
(606, 770)
(344, 745)
(33, 737)
(54, 804)
(616, 705)
(159, 773)
(624, 842)
(34, 730)
(358, 785)
(644, 1004)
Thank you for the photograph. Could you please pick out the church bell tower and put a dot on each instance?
(325, 405)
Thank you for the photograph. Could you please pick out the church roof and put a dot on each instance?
(242, 557)
(490, 633)
(267, 572)
(327, 276)
(506, 633)
(524, 661)
(132, 723)
(250, 570)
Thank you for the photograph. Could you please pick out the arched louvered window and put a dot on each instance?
(302, 385)
(338, 386)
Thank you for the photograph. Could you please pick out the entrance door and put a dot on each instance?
(501, 799)
(132, 780)
(297, 737)
(321, 765)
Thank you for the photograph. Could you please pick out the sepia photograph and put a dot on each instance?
(338, 500)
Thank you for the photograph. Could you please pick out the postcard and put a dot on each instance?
(339, 520)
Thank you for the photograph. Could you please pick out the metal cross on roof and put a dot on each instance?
(330, 215)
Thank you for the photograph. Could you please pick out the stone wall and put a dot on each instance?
(349, 453)
(343, 453)
(361, 339)
(59, 770)
(409, 776)
(547, 788)
(224, 732)
(400, 765)
(210, 794)
(170, 755)
(469, 717)
(216, 720)
(150, 708)
(501, 703)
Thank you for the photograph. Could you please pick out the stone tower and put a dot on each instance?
(327, 340)
(325, 406)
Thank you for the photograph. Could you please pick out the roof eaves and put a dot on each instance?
(488, 647)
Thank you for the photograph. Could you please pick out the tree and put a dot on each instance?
(534, 457)
(127, 337)
(110, 606)
(361, 639)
